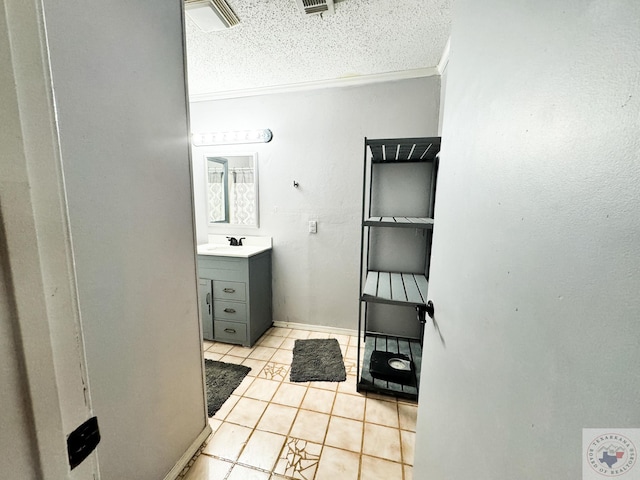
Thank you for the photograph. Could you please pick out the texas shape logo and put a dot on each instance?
(611, 454)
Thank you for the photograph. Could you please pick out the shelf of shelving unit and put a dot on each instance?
(405, 289)
(399, 222)
(407, 346)
(395, 288)
(398, 150)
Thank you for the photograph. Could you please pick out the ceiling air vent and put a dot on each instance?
(314, 7)
(211, 15)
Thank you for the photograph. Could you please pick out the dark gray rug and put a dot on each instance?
(317, 360)
(222, 379)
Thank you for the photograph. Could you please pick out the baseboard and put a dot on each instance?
(188, 455)
(316, 328)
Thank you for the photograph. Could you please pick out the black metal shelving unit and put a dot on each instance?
(403, 289)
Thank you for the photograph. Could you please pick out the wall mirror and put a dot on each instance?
(232, 189)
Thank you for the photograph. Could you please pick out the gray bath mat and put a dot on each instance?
(317, 360)
(222, 379)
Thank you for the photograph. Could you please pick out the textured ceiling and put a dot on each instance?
(276, 44)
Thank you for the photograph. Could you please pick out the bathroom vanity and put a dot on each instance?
(235, 290)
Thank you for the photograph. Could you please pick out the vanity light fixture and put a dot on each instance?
(229, 138)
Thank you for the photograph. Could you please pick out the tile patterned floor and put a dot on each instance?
(273, 429)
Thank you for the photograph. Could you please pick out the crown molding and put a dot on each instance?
(320, 84)
(444, 60)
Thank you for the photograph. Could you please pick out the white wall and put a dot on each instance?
(119, 85)
(537, 241)
(317, 141)
(443, 95)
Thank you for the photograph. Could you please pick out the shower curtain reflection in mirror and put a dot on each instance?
(232, 189)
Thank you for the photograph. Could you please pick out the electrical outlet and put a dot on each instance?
(313, 226)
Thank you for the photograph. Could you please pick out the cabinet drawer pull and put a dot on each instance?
(229, 330)
(229, 290)
(230, 310)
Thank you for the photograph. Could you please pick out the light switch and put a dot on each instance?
(313, 226)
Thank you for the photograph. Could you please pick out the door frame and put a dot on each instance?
(36, 247)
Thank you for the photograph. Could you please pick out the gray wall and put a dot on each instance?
(537, 241)
(318, 141)
(18, 438)
(119, 86)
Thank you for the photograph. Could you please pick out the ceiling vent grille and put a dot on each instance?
(224, 9)
(211, 14)
(314, 7)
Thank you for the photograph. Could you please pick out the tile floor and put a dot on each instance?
(273, 429)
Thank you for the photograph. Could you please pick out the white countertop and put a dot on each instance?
(219, 246)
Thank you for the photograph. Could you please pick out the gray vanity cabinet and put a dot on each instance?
(237, 292)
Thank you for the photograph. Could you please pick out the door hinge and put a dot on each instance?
(82, 441)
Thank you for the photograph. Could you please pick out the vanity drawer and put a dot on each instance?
(229, 332)
(229, 290)
(223, 268)
(234, 311)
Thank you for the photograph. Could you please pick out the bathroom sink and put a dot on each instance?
(231, 250)
(213, 248)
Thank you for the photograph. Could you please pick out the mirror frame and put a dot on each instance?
(225, 165)
(225, 154)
